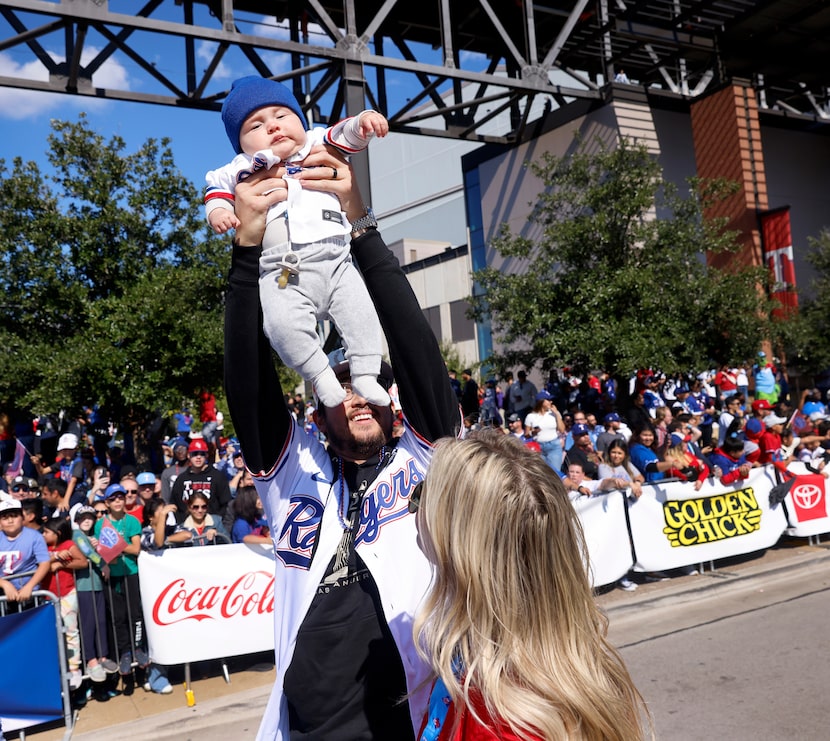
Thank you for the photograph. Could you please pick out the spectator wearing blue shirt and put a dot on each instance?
(22, 550)
(249, 525)
(644, 457)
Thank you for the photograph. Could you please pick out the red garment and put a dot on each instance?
(469, 729)
(207, 407)
(726, 381)
(60, 583)
(137, 512)
(694, 462)
(770, 445)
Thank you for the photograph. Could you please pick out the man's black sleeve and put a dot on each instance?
(427, 397)
(255, 398)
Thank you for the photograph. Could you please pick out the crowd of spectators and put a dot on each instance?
(53, 508)
(689, 427)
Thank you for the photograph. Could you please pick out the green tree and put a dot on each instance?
(616, 278)
(112, 284)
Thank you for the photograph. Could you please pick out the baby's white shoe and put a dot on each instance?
(369, 388)
(330, 392)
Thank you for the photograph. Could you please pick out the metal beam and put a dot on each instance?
(451, 57)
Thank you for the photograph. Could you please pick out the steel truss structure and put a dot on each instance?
(480, 70)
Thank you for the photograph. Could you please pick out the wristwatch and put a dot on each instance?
(364, 223)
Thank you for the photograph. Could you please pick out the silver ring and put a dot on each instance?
(334, 173)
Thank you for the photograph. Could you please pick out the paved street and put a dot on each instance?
(748, 663)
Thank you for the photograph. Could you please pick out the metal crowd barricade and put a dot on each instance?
(40, 598)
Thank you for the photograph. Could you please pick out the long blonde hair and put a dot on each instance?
(510, 601)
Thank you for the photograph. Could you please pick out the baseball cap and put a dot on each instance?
(340, 366)
(85, 511)
(774, 419)
(146, 477)
(759, 404)
(111, 491)
(580, 429)
(67, 441)
(514, 418)
(542, 395)
(177, 442)
(10, 505)
(611, 417)
(753, 428)
(197, 445)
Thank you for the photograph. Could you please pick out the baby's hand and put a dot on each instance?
(223, 220)
(373, 123)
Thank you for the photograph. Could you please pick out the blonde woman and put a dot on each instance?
(510, 627)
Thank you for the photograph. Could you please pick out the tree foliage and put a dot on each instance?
(112, 284)
(616, 278)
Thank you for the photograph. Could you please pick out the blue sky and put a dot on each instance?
(193, 134)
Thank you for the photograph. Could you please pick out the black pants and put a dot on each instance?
(125, 607)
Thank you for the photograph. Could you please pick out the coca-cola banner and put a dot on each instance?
(207, 603)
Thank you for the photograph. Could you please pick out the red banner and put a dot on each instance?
(110, 542)
(809, 497)
(778, 256)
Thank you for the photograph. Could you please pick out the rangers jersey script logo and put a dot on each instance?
(387, 502)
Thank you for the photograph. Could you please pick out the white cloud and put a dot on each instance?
(19, 104)
(205, 51)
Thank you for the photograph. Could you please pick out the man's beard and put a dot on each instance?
(354, 449)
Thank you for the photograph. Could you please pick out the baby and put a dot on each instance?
(306, 270)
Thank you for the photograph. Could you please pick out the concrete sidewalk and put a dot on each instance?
(232, 711)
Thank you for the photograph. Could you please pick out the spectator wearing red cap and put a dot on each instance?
(761, 408)
(201, 476)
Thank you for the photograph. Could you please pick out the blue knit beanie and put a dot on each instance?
(249, 93)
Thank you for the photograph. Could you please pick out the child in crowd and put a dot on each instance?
(22, 550)
(685, 464)
(306, 271)
(728, 461)
(64, 559)
(33, 513)
(89, 585)
(124, 595)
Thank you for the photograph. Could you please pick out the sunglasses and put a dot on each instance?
(198, 506)
(100, 512)
(117, 496)
(197, 452)
(20, 487)
(415, 498)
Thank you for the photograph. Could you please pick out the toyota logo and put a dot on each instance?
(807, 496)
